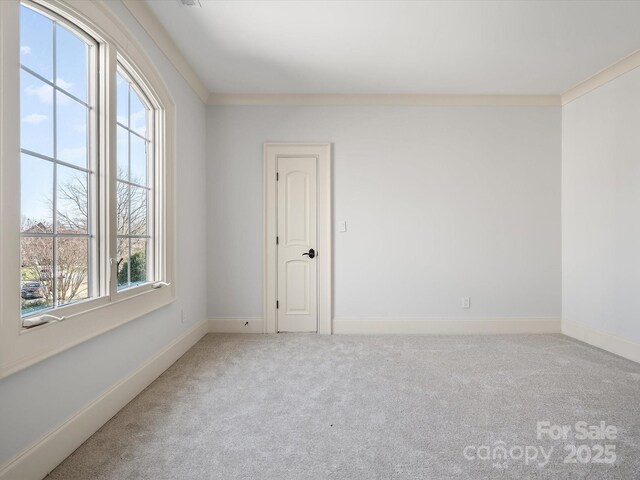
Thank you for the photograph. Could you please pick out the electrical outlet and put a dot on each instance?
(181, 316)
(466, 302)
(342, 226)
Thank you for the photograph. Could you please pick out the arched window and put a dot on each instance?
(86, 185)
(57, 195)
(134, 184)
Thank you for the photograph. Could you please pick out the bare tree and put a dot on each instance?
(131, 215)
(72, 255)
(71, 264)
(37, 258)
(73, 206)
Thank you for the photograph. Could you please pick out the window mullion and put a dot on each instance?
(151, 201)
(129, 197)
(93, 178)
(110, 160)
(54, 267)
(92, 252)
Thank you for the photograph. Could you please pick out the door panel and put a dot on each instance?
(297, 281)
(297, 233)
(297, 208)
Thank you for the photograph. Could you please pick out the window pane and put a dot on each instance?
(123, 263)
(56, 240)
(122, 208)
(36, 115)
(36, 289)
(138, 160)
(135, 175)
(132, 264)
(138, 115)
(72, 202)
(72, 269)
(71, 63)
(138, 216)
(122, 100)
(71, 131)
(123, 153)
(36, 42)
(138, 267)
(36, 195)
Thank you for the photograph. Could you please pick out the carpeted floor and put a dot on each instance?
(373, 407)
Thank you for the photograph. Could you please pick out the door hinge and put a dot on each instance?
(277, 176)
(277, 304)
(277, 240)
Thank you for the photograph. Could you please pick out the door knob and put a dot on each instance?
(311, 254)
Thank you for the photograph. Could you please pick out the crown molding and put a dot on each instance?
(383, 99)
(150, 23)
(603, 77)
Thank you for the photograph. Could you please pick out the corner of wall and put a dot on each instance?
(41, 457)
(606, 341)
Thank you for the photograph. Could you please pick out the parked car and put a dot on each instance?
(31, 290)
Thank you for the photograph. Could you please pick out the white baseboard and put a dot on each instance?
(236, 325)
(45, 454)
(606, 341)
(446, 326)
(398, 325)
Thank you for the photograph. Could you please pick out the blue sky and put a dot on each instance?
(37, 34)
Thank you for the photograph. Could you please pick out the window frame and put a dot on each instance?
(19, 347)
(153, 161)
(96, 261)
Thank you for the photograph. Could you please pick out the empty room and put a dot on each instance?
(319, 239)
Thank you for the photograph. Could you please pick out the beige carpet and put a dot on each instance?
(372, 407)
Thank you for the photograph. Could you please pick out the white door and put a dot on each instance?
(297, 283)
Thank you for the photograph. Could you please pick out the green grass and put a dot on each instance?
(31, 306)
(29, 273)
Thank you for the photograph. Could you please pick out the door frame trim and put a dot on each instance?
(323, 153)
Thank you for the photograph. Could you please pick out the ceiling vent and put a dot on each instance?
(190, 3)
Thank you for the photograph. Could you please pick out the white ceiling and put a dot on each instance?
(404, 47)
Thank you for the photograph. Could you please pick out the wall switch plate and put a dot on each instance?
(466, 302)
(342, 226)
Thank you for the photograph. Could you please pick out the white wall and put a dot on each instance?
(36, 399)
(440, 203)
(601, 209)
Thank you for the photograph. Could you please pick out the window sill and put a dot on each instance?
(43, 341)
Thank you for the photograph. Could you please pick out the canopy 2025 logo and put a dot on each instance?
(598, 446)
